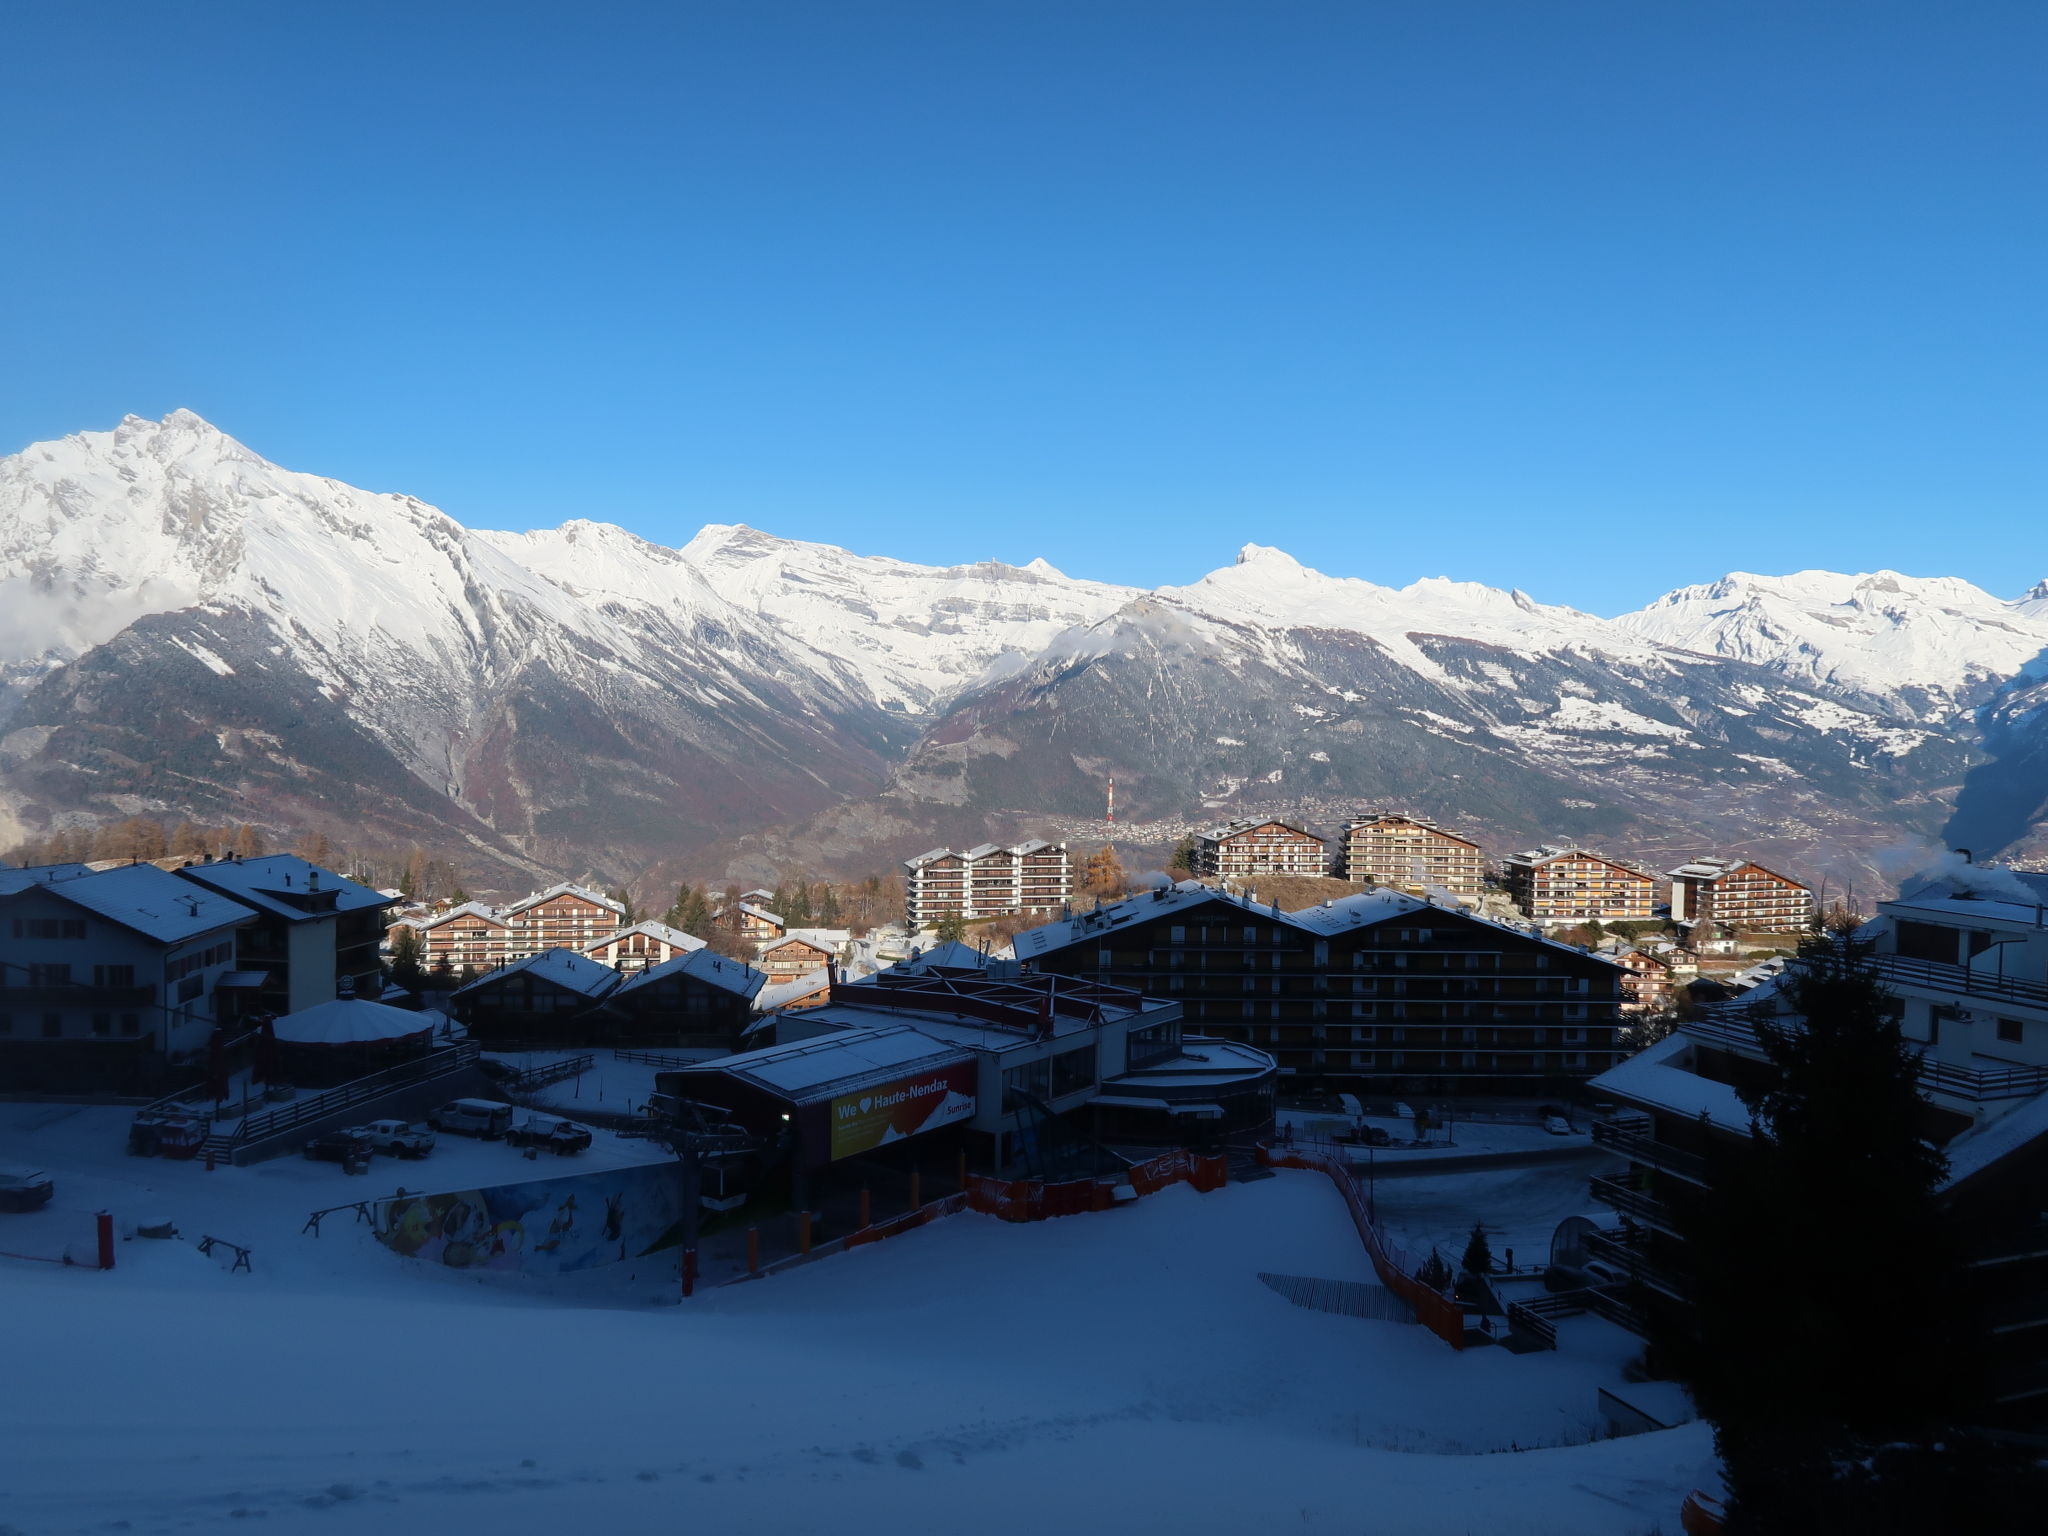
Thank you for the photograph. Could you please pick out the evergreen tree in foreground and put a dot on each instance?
(1478, 1257)
(1828, 1344)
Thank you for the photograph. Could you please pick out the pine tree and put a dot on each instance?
(828, 906)
(405, 968)
(1183, 861)
(1478, 1259)
(624, 898)
(412, 882)
(952, 928)
(1828, 1318)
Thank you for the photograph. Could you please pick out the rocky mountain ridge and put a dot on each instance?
(188, 629)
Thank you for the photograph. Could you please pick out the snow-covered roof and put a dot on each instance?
(566, 888)
(12, 880)
(719, 971)
(1978, 891)
(821, 938)
(780, 994)
(564, 967)
(351, 1021)
(675, 938)
(467, 909)
(1252, 823)
(1982, 1145)
(1203, 1065)
(152, 902)
(282, 883)
(1331, 919)
(1660, 1078)
(826, 1065)
(949, 952)
(752, 911)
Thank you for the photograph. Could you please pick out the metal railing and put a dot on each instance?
(1629, 1256)
(1636, 1205)
(438, 1063)
(1915, 972)
(1626, 1138)
(1732, 1032)
(657, 1060)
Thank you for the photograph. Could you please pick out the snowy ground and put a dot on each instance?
(1117, 1371)
(1519, 1207)
(611, 1085)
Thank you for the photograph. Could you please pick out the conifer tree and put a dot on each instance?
(1829, 1342)
(1478, 1257)
(405, 968)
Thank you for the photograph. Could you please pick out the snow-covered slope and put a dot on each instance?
(1924, 647)
(913, 635)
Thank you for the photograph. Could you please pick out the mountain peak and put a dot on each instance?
(1265, 554)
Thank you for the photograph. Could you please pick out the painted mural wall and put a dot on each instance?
(541, 1226)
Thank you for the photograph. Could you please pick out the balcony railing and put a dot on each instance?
(1632, 1261)
(1625, 1137)
(1730, 1031)
(1635, 1205)
(1906, 970)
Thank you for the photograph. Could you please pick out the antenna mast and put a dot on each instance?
(1112, 801)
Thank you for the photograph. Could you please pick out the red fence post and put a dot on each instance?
(689, 1270)
(803, 1232)
(105, 1223)
(864, 1205)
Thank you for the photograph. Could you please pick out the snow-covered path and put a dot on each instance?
(1118, 1371)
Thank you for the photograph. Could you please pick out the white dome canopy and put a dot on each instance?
(351, 1021)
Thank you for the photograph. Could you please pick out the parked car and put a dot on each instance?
(399, 1139)
(24, 1189)
(1557, 1125)
(349, 1146)
(549, 1131)
(484, 1118)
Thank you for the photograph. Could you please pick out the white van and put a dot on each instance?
(473, 1117)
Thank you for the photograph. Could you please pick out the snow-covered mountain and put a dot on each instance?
(1928, 648)
(188, 629)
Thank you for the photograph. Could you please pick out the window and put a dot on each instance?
(190, 988)
(1072, 1071)
(113, 975)
(1102, 958)
(49, 975)
(103, 1023)
(131, 1023)
(53, 1026)
(1033, 1078)
(49, 927)
(1179, 933)
(2013, 1030)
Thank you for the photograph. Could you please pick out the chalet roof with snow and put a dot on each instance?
(830, 939)
(565, 968)
(716, 970)
(566, 888)
(467, 909)
(1330, 919)
(780, 994)
(826, 1066)
(149, 901)
(287, 886)
(12, 880)
(675, 938)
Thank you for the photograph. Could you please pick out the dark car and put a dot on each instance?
(343, 1147)
(24, 1189)
(561, 1136)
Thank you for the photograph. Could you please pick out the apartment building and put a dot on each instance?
(1380, 990)
(986, 881)
(109, 980)
(1411, 853)
(470, 936)
(1967, 960)
(316, 933)
(642, 946)
(1559, 884)
(1242, 849)
(565, 916)
(1740, 894)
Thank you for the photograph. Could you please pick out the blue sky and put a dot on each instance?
(1589, 298)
